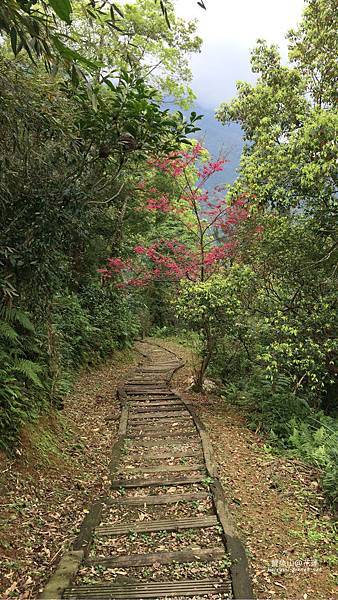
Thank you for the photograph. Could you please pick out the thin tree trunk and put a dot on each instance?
(198, 385)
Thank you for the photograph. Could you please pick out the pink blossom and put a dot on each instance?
(139, 250)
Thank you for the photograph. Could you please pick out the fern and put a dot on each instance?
(29, 370)
(7, 331)
(15, 315)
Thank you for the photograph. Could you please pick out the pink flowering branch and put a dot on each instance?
(171, 260)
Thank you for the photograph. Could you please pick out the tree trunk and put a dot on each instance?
(198, 384)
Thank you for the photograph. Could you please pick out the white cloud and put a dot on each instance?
(229, 29)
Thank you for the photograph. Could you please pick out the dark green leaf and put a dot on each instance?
(62, 8)
(14, 40)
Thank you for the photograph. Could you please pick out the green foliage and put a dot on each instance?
(281, 362)
(316, 441)
(74, 330)
(290, 118)
(216, 300)
(213, 307)
(73, 150)
(21, 370)
(290, 422)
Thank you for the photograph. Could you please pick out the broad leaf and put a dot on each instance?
(63, 9)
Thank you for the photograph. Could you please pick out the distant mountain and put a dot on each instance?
(226, 140)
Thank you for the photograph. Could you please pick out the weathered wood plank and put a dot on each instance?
(165, 525)
(172, 427)
(173, 442)
(158, 499)
(165, 469)
(240, 576)
(168, 405)
(85, 535)
(124, 420)
(206, 443)
(162, 558)
(63, 576)
(173, 454)
(165, 415)
(150, 589)
(162, 435)
(144, 482)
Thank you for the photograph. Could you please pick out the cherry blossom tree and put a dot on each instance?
(210, 224)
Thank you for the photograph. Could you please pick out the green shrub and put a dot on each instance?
(21, 374)
(112, 316)
(290, 422)
(316, 441)
(75, 332)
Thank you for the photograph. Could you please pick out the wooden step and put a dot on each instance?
(160, 415)
(146, 391)
(167, 405)
(149, 589)
(155, 388)
(158, 499)
(164, 426)
(154, 401)
(153, 443)
(155, 395)
(144, 482)
(160, 369)
(167, 525)
(173, 454)
(164, 469)
(158, 434)
(161, 558)
(184, 420)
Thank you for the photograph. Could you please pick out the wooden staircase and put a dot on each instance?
(163, 531)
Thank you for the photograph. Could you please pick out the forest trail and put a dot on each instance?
(163, 531)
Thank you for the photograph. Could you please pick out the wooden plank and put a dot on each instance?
(151, 388)
(174, 441)
(162, 395)
(161, 415)
(124, 420)
(165, 469)
(160, 435)
(152, 391)
(144, 482)
(116, 455)
(172, 426)
(164, 407)
(85, 535)
(162, 558)
(173, 454)
(154, 401)
(165, 525)
(158, 499)
(153, 405)
(162, 425)
(158, 368)
(206, 443)
(63, 576)
(150, 589)
(239, 569)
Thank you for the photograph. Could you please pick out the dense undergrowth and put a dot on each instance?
(39, 362)
(289, 424)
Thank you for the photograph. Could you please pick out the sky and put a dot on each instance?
(229, 29)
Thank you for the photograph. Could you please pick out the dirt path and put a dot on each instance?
(163, 530)
(63, 463)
